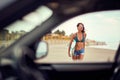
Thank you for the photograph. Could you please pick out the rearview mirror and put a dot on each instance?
(42, 50)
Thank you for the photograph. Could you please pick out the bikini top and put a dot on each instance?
(77, 40)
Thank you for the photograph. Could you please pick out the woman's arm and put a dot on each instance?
(85, 38)
(70, 44)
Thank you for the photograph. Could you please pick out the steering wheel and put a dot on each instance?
(19, 65)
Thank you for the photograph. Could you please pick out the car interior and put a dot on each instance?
(20, 60)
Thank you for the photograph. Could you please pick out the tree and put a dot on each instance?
(60, 32)
(57, 32)
(3, 34)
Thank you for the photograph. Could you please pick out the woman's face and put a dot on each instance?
(80, 27)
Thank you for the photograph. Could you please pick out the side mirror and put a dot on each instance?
(42, 50)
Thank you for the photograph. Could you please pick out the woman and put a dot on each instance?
(79, 37)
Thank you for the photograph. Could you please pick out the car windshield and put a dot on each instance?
(19, 28)
(101, 42)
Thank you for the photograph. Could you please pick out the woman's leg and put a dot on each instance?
(74, 57)
(81, 56)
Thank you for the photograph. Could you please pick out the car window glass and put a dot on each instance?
(102, 38)
(18, 28)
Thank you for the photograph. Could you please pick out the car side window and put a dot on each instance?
(101, 42)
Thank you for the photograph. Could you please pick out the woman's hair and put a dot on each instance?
(82, 25)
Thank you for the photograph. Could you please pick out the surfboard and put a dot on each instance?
(72, 47)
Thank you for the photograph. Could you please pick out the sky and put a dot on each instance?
(100, 26)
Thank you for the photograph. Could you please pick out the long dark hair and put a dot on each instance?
(82, 25)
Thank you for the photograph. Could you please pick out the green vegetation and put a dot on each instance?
(60, 32)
